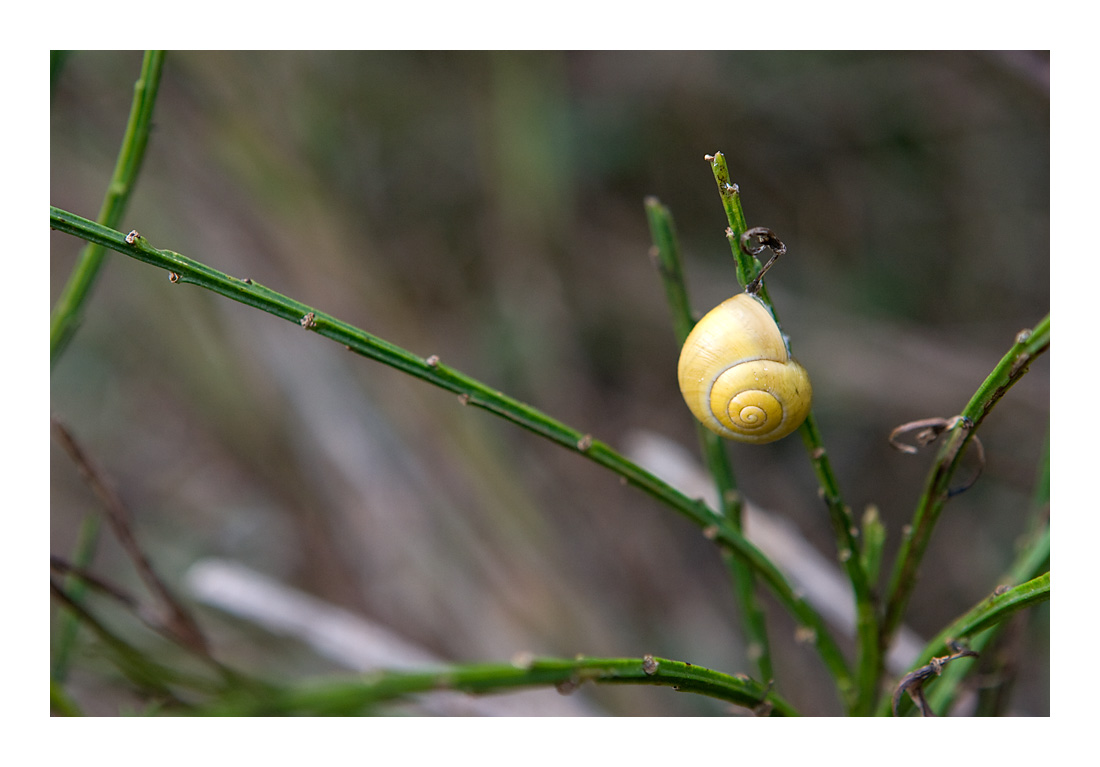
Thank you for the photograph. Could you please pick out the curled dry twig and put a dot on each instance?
(765, 238)
(926, 431)
(913, 682)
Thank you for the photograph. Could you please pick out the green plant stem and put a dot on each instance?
(67, 312)
(669, 267)
(869, 648)
(990, 612)
(874, 538)
(57, 64)
(748, 266)
(868, 644)
(68, 623)
(471, 392)
(60, 702)
(344, 697)
(1012, 367)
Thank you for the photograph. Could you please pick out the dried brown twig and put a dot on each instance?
(925, 432)
(913, 682)
(178, 622)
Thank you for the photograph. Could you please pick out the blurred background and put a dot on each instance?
(488, 208)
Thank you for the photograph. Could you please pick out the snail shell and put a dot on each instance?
(737, 376)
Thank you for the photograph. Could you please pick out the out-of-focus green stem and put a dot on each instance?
(67, 312)
(68, 625)
(60, 702)
(57, 64)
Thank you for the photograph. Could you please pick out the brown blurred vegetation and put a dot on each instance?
(488, 208)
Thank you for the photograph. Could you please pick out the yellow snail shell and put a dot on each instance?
(737, 377)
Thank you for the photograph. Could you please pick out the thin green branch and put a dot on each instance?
(60, 702)
(1029, 344)
(869, 654)
(68, 624)
(471, 392)
(350, 697)
(874, 538)
(669, 267)
(67, 312)
(990, 612)
(853, 557)
(748, 266)
(57, 65)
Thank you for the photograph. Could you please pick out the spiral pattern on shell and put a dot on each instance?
(737, 377)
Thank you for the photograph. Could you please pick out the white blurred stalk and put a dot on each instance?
(354, 642)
